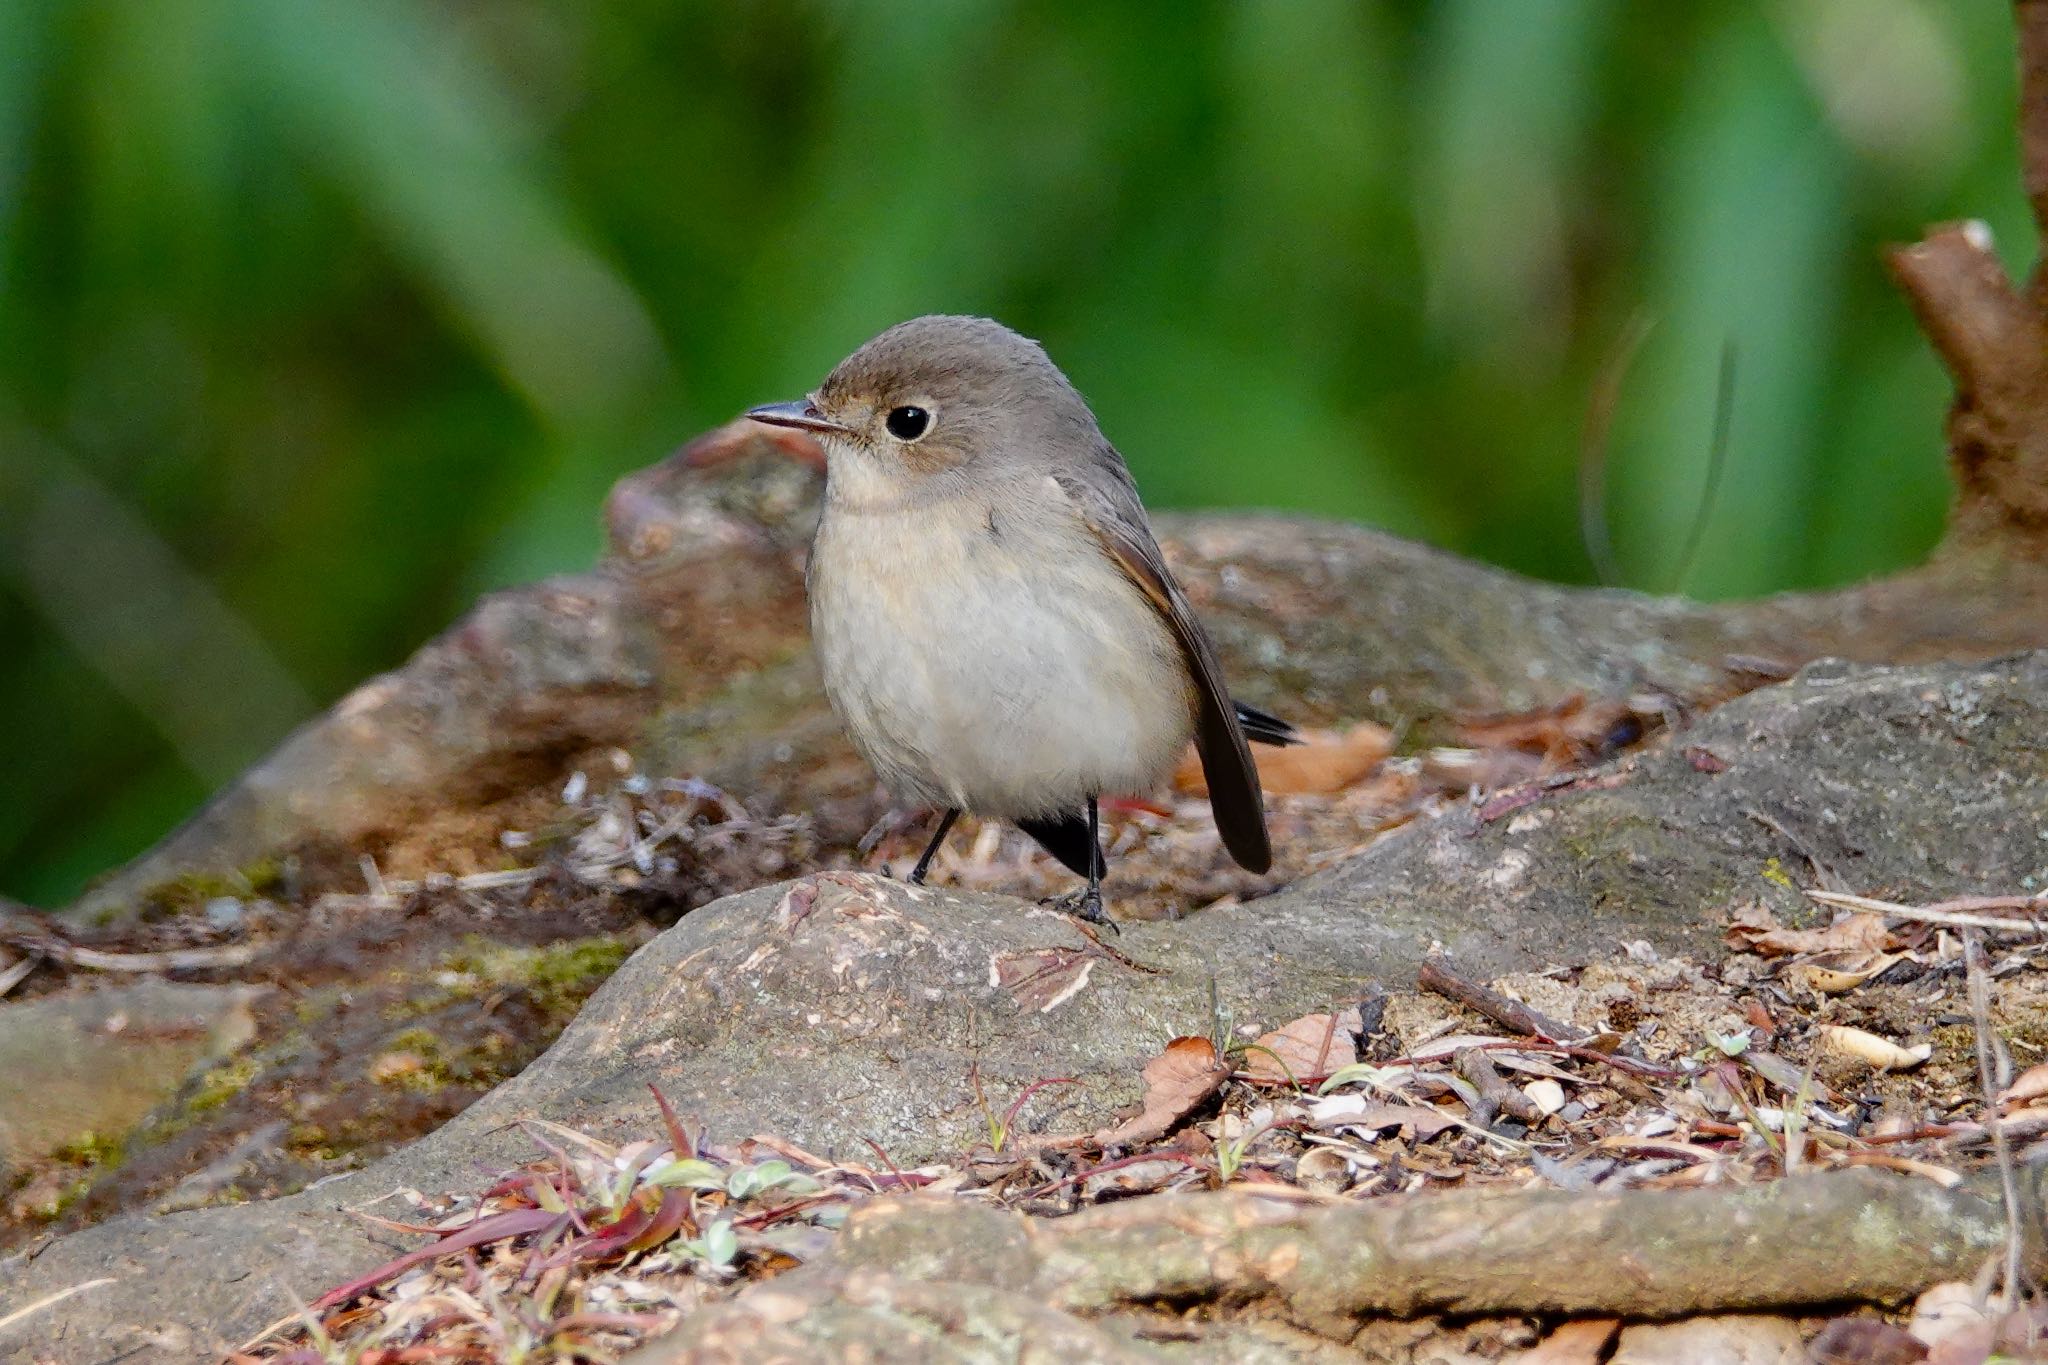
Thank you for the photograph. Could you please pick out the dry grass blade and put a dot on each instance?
(14, 973)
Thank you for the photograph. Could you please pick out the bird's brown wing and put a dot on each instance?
(1234, 798)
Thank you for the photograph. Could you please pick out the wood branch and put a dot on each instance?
(1995, 346)
(2031, 17)
(1439, 976)
(1324, 1266)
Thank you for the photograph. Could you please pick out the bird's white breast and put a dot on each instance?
(989, 656)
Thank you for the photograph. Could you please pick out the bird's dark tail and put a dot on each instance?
(1262, 727)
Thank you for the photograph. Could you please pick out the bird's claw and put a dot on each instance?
(1084, 905)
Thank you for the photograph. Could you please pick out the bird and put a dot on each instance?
(995, 624)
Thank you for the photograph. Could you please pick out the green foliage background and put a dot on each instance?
(319, 316)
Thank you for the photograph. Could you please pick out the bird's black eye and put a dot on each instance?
(908, 423)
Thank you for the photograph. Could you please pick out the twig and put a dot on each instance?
(37, 939)
(1436, 974)
(1961, 913)
(14, 973)
(1994, 1124)
(1494, 1091)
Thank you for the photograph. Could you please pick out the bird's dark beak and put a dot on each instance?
(802, 414)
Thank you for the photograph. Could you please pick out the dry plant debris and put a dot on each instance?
(1639, 1072)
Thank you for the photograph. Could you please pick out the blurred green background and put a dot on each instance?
(319, 316)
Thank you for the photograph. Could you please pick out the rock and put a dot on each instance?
(84, 1068)
(844, 1007)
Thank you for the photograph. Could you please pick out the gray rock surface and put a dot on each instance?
(846, 1007)
(84, 1067)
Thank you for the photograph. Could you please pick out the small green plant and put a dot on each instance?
(1000, 1129)
(717, 1246)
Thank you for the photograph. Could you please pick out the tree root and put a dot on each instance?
(1123, 1274)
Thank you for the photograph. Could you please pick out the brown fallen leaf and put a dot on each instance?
(1312, 1046)
(1865, 1341)
(1177, 1081)
(1324, 763)
(1571, 733)
(2027, 1087)
(1956, 1325)
(1753, 928)
(1834, 972)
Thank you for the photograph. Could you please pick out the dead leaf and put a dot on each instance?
(1569, 734)
(1177, 1081)
(1832, 973)
(1571, 1343)
(1753, 928)
(1789, 1078)
(1880, 1053)
(1324, 1170)
(1865, 1341)
(795, 904)
(1730, 1339)
(1356, 1111)
(1955, 1325)
(2027, 1087)
(1312, 1046)
(1324, 763)
(1140, 1177)
(1043, 979)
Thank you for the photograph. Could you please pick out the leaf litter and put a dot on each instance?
(1678, 1073)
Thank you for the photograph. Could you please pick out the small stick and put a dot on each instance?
(1994, 1124)
(14, 973)
(1478, 1068)
(1961, 913)
(1436, 974)
(35, 940)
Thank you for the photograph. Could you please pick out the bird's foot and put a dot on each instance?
(1084, 905)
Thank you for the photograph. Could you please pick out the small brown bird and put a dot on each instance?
(996, 626)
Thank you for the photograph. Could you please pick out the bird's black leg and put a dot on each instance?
(931, 850)
(1091, 901)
